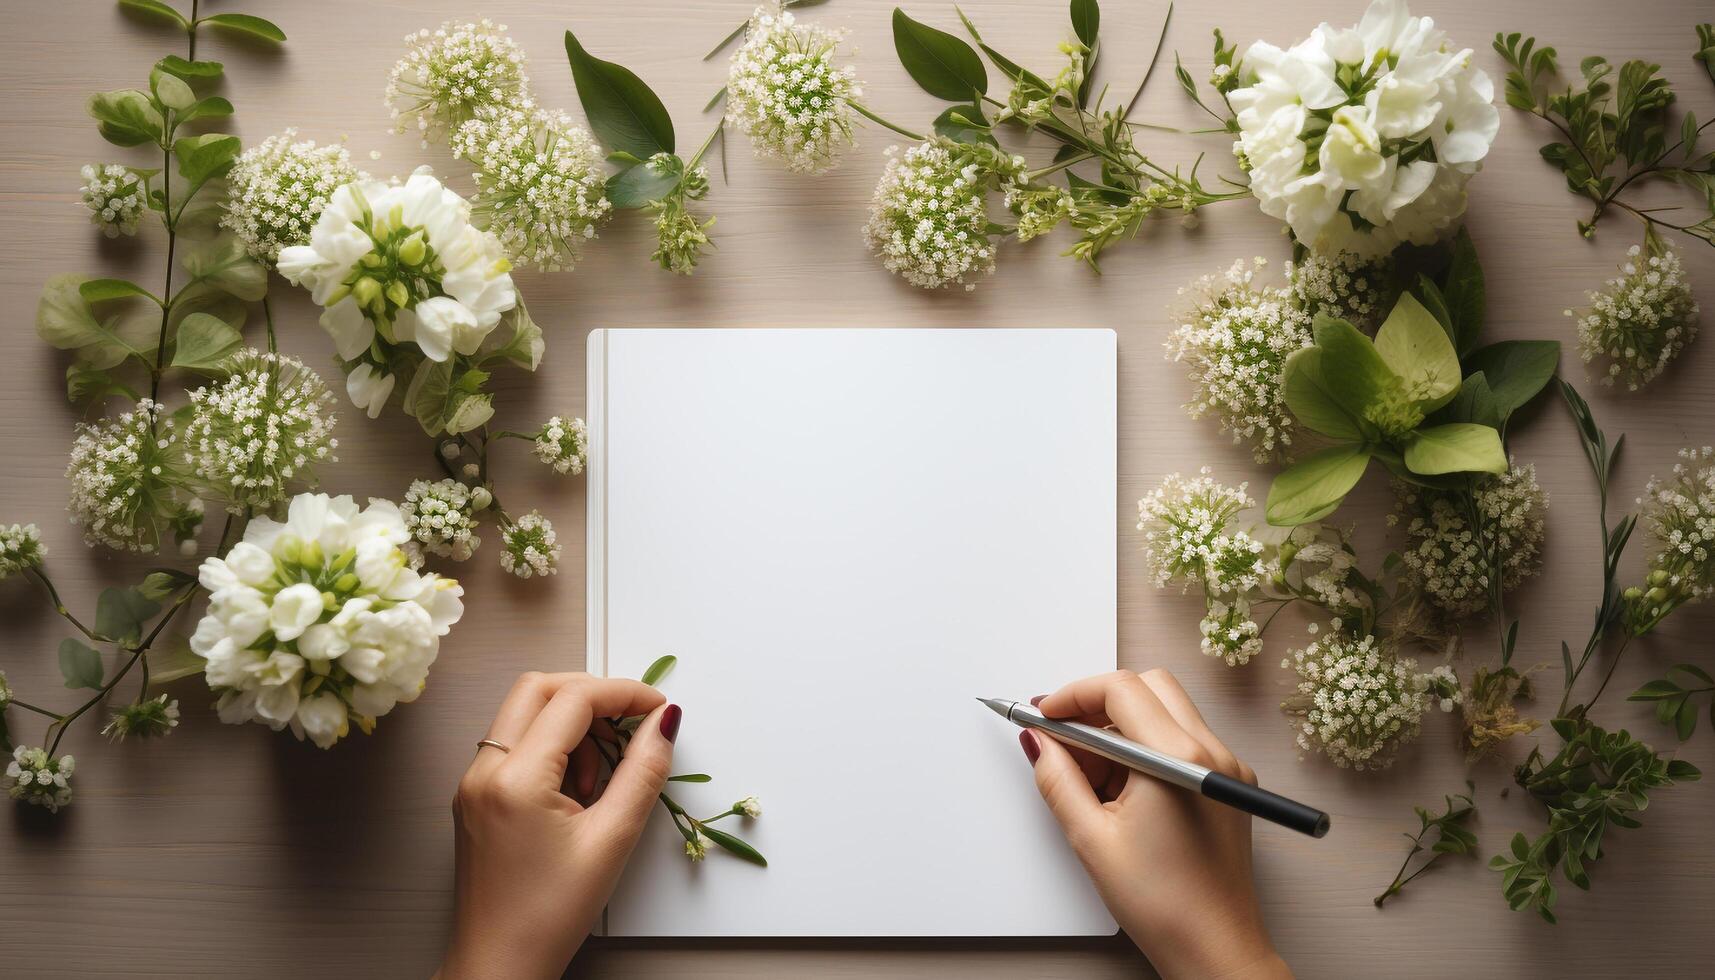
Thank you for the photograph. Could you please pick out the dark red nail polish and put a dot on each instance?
(1031, 748)
(1037, 700)
(670, 722)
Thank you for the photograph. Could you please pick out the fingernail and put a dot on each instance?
(1037, 700)
(670, 722)
(1031, 749)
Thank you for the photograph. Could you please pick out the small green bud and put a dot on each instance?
(287, 549)
(1633, 594)
(397, 294)
(346, 583)
(370, 260)
(1658, 577)
(413, 250)
(1656, 596)
(365, 290)
(339, 294)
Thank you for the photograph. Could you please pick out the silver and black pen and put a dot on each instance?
(1198, 779)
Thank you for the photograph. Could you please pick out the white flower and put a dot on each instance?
(20, 548)
(1342, 285)
(337, 629)
(540, 186)
(1229, 633)
(279, 188)
(1680, 514)
(116, 198)
(38, 779)
(929, 219)
(1449, 560)
(1358, 704)
(697, 846)
(441, 517)
(369, 387)
(531, 547)
(449, 73)
(267, 424)
(1184, 524)
(1642, 321)
(1363, 138)
(786, 93)
(153, 718)
(749, 806)
(563, 445)
(127, 478)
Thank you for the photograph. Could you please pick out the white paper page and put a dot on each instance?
(846, 536)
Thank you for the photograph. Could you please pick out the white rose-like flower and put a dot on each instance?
(1362, 138)
(318, 622)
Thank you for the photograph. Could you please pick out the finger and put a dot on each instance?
(632, 790)
(1099, 771)
(1125, 699)
(1062, 784)
(529, 694)
(1179, 704)
(586, 764)
(565, 720)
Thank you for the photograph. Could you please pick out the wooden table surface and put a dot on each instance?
(238, 852)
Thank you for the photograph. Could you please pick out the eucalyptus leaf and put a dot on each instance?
(1517, 369)
(1412, 343)
(204, 342)
(213, 107)
(1456, 447)
(224, 264)
(660, 669)
(624, 113)
(943, 65)
(1310, 397)
(1313, 487)
(734, 845)
(80, 665)
(246, 24)
(642, 183)
(126, 117)
(121, 613)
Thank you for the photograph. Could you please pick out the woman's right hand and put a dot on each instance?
(1174, 868)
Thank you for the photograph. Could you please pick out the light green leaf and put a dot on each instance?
(171, 90)
(1357, 376)
(163, 582)
(246, 24)
(223, 263)
(1457, 447)
(641, 183)
(426, 396)
(624, 112)
(1413, 345)
(213, 107)
(85, 384)
(943, 65)
(171, 658)
(204, 342)
(100, 290)
(202, 158)
(1516, 369)
(473, 411)
(126, 117)
(155, 8)
(524, 347)
(64, 319)
(80, 665)
(188, 70)
(660, 669)
(1313, 487)
(121, 613)
(1311, 398)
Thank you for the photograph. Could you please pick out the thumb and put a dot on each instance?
(1061, 782)
(641, 774)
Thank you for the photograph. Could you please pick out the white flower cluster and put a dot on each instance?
(1358, 704)
(268, 423)
(1680, 513)
(126, 480)
(1642, 321)
(20, 548)
(1342, 285)
(115, 196)
(441, 517)
(531, 546)
(36, 778)
(151, 718)
(539, 182)
(680, 236)
(450, 72)
(786, 93)
(319, 621)
(563, 445)
(1234, 340)
(1450, 560)
(929, 219)
(1187, 539)
(1362, 138)
(279, 188)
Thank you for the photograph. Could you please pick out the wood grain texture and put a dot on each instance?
(237, 852)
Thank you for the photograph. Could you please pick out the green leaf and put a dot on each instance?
(691, 777)
(80, 665)
(101, 290)
(204, 342)
(202, 158)
(1654, 691)
(213, 107)
(171, 90)
(524, 347)
(964, 124)
(660, 669)
(64, 319)
(121, 613)
(624, 113)
(1475, 402)
(1516, 369)
(224, 264)
(426, 397)
(471, 412)
(1313, 487)
(163, 582)
(1466, 295)
(188, 70)
(1086, 20)
(1412, 344)
(88, 385)
(1359, 378)
(1456, 447)
(171, 658)
(945, 66)
(1311, 398)
(126, 117)
(735, 846)
(246, 24)
(642, 183)
(156, 8)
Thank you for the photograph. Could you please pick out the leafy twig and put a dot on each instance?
(1451, 837)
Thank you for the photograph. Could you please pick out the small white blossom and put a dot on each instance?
(1343, 285)
(785, 91)
(749, 806)
(127, 478)
(450, 72)
(116, 198)
(267, 424)
(697, 847)
(153, 718)
(278, 190)
(531, 546)
(1184, 524)
(929, 220)
(1358, 705)
(441, 517)
(539, 183)
(1229, 632)
(20, 548)
(1680, 514)
(1643, 320)
(1450, 560)
(36, 778)
(563, 445)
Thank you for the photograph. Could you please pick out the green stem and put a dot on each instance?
(863, 111)
(60, 606)
(1070, 161)
(27, 706)
(697, 157)
(268, 318)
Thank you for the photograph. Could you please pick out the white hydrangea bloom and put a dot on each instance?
(35, 778)
(540, 186)
(929, 219)
(267, 424)
(115, 196)
(278, 189)
(1680, 513)
(449, 73)
(127, 475)
(1234, 340)
(1362, 138)
(563, 445)
(319, 621)
(20, 548)
(1449, 560)
(785, 91)
(531, 546)
(441, 517)
(1358, 705)
(1642, 321)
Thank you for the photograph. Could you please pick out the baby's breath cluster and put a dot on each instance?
(115, 196)
(279, 188)
(1680, 513)
(267, 424)
(1187, 538)
(39, 779)
(20, 548)
(150, 718)
(929, 220)
(127, 479)
(441, 517)
(539, 182)
(1642, 320)
(1450, 560)
(1234, 340)
(1343, 285)
(450, 72)
(1359, 705)
(786, 92)
(563, 445)
(531, 546)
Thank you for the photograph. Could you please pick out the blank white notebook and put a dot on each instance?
(846, 537)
